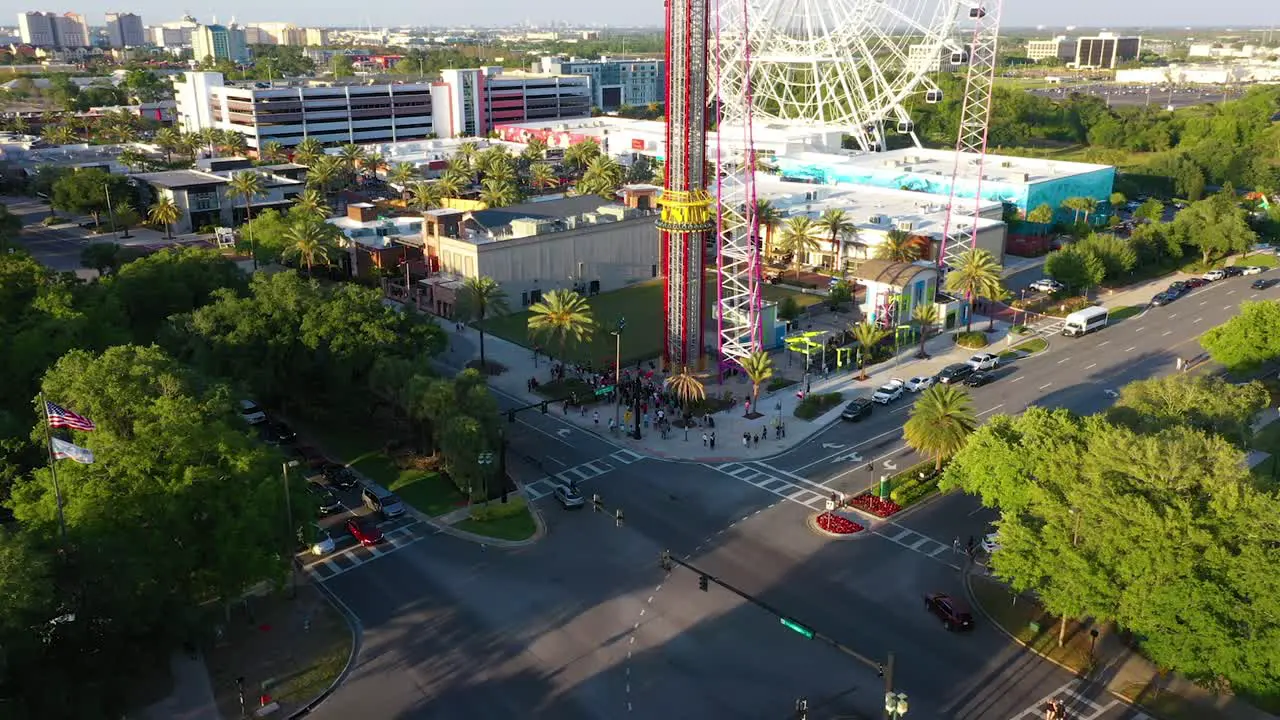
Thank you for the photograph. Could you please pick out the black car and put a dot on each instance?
(1263, 283)
(1164, 298)
(1233, 270)
(277, 433)
(953, 613)
(339, 476)
(326, 501)
(979, 378)
(1178, 289)
(857, 409)
(954, 373)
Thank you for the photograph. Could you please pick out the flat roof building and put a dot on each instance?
(219, 42)
(125, 30)
(615, 81)
(1062, 47)
(483, 98)
(1106, 50)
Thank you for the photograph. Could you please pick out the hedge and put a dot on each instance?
(907, 486)
(488, 512)
(972, 339)
(815, 404)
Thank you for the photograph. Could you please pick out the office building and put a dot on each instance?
(615, 81)
(220, 42)
(72, 31)
(317, 37)
(125, 30)
(481, 98)
(334, 114)
(174, 34)
(203, 196)
(1106, 50)
(48, 30)
(1061, 47)
(931, 58)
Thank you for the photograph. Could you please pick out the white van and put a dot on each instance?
(1083, 322)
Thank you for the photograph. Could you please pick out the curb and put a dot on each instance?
(812, 522)
(357, 635)
(540, 527)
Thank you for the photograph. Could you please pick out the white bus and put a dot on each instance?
(1083, 322)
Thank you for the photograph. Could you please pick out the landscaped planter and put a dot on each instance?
(836, 524)
(879, 507)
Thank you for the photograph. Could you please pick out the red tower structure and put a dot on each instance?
(686, 206)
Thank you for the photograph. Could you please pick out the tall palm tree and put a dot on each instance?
(481, 297)
(321, 173)
(687, 387)
(1076, 205)
(1089, 206)
(165, 212)
(449, 186)
(898, 246)
(209, 138)
(424, 196)
(924, 317)
(498, 194)
(372, 163)
(602, 177)
(500, 168)
(976, 274)
(543, 176)
(940, 423)
(798, 239)
(868, 335)
(311, 204)
(310, 242)
(234, 143)
(351, 155)
(759, 368)
(132, 159)
(467, 152)
(170, 141)
(836, 223)
(1042, 215)
(768, 218)
(402, 174)
(578, 157)
(535, 150)
(561, 316)
(308, 152)
(248, 185)
(272, 152)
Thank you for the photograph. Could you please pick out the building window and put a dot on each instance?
(203, 201)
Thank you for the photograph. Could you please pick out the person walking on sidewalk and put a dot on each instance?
(746, 440)
(711, 439)
(704, 439)
(595, 415)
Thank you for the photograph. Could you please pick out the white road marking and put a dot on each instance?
(1090, 367)
(555, 460)
(1063, 360)
(827, 458)
(1231, 292)
(1193, 322)
(1045, 385)
(1144, 327)
(1226, 307)
(1016, 379)
(1104, 342)
(1166, 333)
(1253, 296)
(1135, 347)
(1204, 302)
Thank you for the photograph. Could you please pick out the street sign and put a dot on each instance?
(604, 390)
(797, 627)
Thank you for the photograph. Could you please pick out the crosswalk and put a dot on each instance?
(348, 556)
(590, 470)
(813, 499)
(1079, 706)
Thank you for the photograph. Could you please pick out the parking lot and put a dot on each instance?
(1157, 95)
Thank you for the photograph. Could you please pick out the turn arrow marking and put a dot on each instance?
(849, 456)
(831, 446)
(563, 432)
(890, 465)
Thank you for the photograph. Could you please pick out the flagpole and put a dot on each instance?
(53, 470)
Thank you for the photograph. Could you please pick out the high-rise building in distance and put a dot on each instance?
(219, 42)
(46, 29)
(615, 81)
(1106, 50)
(124, 29)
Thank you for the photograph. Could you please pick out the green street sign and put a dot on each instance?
(604, 390)
(797, 627)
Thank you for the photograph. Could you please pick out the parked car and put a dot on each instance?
(955, 615)
(1213, 275)
(364, 531)
(1233, 271)
(277, 433)
(321, 541)
(327, 502)
(1263, 283)
(1178, 288)
(955, 373)
(889, 392)
(339, 476)
(984, 361)
(1196, 282)
(979, 378)
(1163, 298)
(1252, 270)
(916, 384)
(569, 497)
(251, 413)
(381, 500)
(856, 409)
(991, 542)
(311, 456)
(1046, 285)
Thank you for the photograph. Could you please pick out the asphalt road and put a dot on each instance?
(58, 249)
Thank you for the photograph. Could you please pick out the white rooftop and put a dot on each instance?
(996, 168)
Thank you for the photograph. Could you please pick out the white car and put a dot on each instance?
(1214, 275)
(1252, 270)
(1046, 285)
(984, 361)
(251, 413)
(322, 541)
(916, 384)
(889, 392)
(991, 542)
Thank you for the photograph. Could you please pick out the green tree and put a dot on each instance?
(542, 176)
(272, 152)
(310, 242)
(341, 66)
(977, 275)
(924, 316)
(899, 246)
(768, 219)
(1151, 210)
(798, 239)
(85, 191)
(868, 335)
(168, 282)
(101, 256)
(577, 157)
(495, 193)
(1204, 403)
(1042, 215)
(1217, 226)
(602, 177)
(836, 223)
(687, 387)
(1075, 268)
(308, 152)
(1117, 255)
(758, 367)
(534, 151)
(1077, 205)
(165, 212)
(940, 423)
(1248, 340)
(311, 204)
(402, 174)
(562, 316)
(247, 185)
(481, 298)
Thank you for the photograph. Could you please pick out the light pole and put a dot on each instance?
(485, 459)
(895, 705)
(617, 372)
(1075, 530)
(111, 215)
(288, 511)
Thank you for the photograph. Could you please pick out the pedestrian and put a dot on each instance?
(746, 440)
(783, 427)
(584, 410)
(764, 431)
(755, 440)
(595, 416)
(712, 439)
(611, 426)
(955, 545)
(777, 432)
(704, 439)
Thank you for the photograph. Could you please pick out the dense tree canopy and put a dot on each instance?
(1247, 340)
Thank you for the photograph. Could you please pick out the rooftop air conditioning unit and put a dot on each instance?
(876, 219)
(1006, 164)
(906, 225)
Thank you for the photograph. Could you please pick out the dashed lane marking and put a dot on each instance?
(350, 557)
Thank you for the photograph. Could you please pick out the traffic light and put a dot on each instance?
(879, 669)
(511, 416)
(544, 407)
(665, 562)
(596, 503)
(702, 583)
(617, 516)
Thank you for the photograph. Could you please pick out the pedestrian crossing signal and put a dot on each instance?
(544, 407)
(702, 583)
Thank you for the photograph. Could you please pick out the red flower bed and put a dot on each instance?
(875, 505)
(838, 525)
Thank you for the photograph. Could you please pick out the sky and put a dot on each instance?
(1017, 13)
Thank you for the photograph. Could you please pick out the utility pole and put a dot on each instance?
(617, 373)
(288, 537)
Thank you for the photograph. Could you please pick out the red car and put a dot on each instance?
(953, 613)
(1196, 282)
(364, 531)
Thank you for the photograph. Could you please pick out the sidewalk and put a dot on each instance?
(192, 695)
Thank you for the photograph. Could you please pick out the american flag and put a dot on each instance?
(60, 417)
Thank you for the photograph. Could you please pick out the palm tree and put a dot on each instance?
(449, 186)
(272, 152)
(768, 218)
(170, 141)
(578, 157)
(924, 316)
(798, 239)
(311, 204)
(868, 335)
(322, 172)
(466, 153)
(424, 196)
(234, 143)
(1089, 206)
(165, 212)
(837, 223)
(759, 368)
(401, 174)
(499, 168)
(481, 297)
(534, 150)
(1076, 205)
(247, 184)
(687, 388)
(561, 316)
(898, 246)
(976, 274)
(372, 163)
(543, 176)
(1042, 215)
(310, 241)
(602, 177)
(498, 194)
(940, 423)
(58, 134)
(209, 138)
(132, 159)
(351, 155)
(308, 152)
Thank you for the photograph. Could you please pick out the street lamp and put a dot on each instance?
(617, 372)
(485, 459)
(110, 212)
(289, 536)
(895, 705)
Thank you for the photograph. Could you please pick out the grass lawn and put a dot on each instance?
(559, 389)
(515, 527)
(1267, 260)
(1032, 346)
(641, 305)
(1123, 313)
(429, 493)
